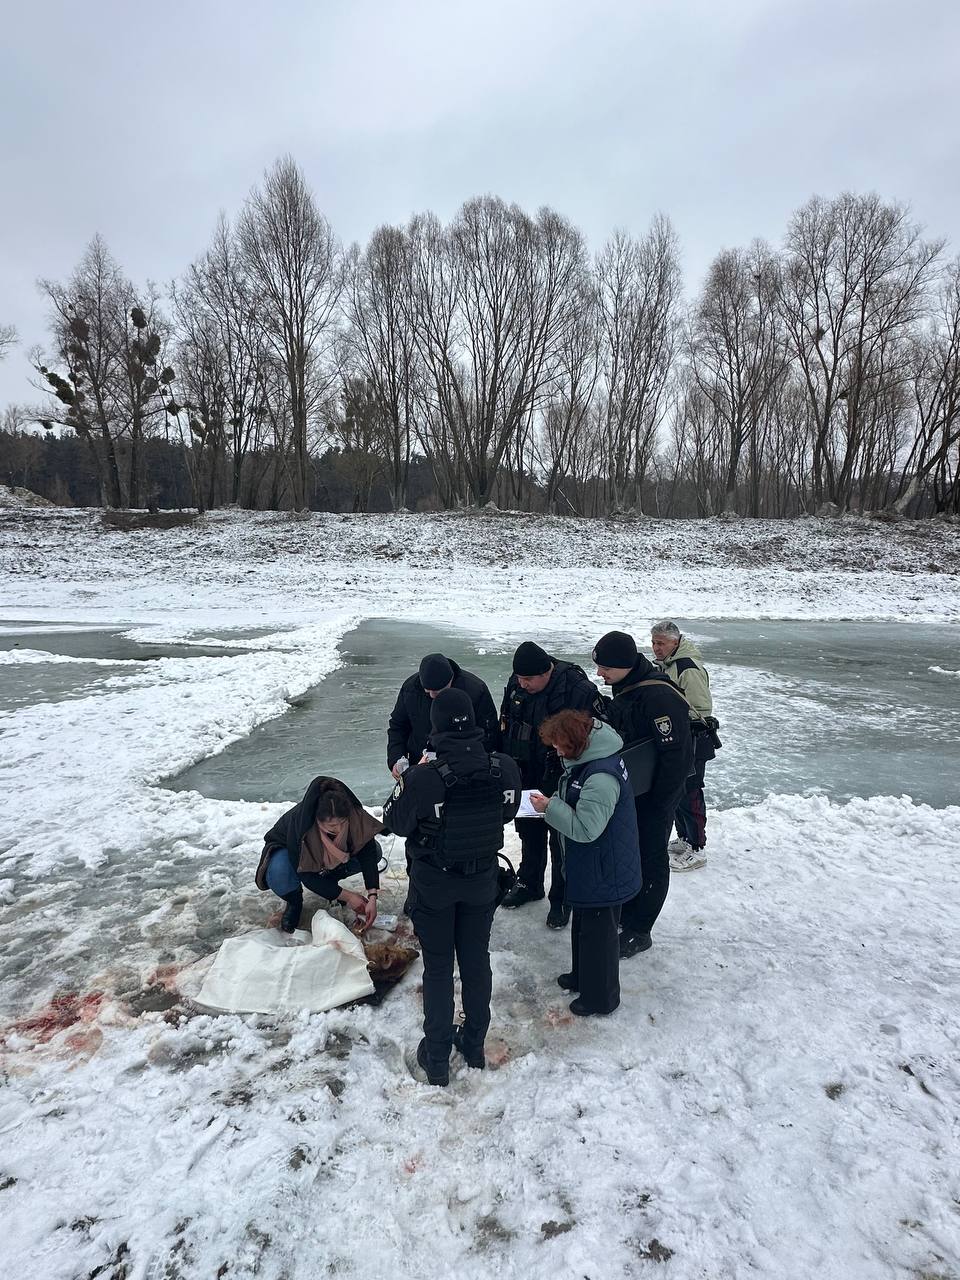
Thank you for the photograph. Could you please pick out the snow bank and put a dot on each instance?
(776, 1096)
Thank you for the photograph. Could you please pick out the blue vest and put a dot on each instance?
(605, 872)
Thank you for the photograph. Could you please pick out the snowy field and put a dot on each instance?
(777, 1095)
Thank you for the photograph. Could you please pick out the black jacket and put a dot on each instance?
(658, 711)
(409, 728)
(522, 714)
(419, 792)
(288, 832)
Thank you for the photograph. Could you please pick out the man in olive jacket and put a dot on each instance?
(680, 659)
(646, 704)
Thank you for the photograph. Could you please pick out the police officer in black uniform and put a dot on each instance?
(647, 704)
(540, 687)
(452, 811)
(408, 730)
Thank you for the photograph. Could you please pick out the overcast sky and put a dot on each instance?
(143, 121)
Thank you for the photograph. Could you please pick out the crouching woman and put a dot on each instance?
(594, 813)
(324, 839)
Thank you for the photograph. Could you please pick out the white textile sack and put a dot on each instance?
(268, 972)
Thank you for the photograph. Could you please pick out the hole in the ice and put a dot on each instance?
(805, 708)
(340, 726)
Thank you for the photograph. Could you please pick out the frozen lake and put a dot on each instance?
(839, 708)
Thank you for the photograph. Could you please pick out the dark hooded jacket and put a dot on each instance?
(289, 830)
(659, 711)
(408, 731)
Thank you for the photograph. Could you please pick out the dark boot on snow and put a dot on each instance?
(292, 912)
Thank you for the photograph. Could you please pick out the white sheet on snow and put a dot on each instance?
(271, 972)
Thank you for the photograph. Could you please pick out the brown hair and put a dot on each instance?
(334, 802)
(569, 731)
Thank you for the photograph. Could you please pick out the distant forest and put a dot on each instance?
(493, 360)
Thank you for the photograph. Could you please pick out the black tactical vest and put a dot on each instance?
(469, 825)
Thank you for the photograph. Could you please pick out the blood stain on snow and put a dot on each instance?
(497, 1053)
(62, 1012)
(558, 1018)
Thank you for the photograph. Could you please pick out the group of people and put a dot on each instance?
(461, 772)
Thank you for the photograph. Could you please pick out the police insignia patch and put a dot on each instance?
(398, 789)
(664, 724)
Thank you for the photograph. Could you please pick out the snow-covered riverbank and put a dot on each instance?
(777, 1095)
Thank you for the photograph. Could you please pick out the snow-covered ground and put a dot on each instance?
(777, 1096)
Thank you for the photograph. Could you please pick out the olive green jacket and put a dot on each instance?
(685, 668)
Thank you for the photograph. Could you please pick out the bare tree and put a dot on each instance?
(567, 442)
(86, 320)
(219, 287)
(492, 297)
(638, 286)
(381, 346)
(295, 261)
(141, 375)
(8, 338)
(738, 353)
(935, 384)
(853, 284)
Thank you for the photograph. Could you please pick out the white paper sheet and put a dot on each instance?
(526, 809)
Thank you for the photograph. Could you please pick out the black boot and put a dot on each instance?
(558, 916)
(632, 944)
(520, 895)
(471, 1057)
(292, 911)
(568, 982)
(584, 1011)
(435, 1075)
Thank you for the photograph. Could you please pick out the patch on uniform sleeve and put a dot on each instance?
(665, 725)
(398, 789)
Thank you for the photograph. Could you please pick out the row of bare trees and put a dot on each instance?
(821, 375)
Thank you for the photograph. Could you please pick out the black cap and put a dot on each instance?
(531, 660)
(616, 649)
(451, 712)
(435, 672)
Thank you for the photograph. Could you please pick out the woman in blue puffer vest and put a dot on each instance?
(594, 813)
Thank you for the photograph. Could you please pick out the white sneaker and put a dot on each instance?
(687, 858)
(677, 846)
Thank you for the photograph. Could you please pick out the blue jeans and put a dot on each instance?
(285, 880)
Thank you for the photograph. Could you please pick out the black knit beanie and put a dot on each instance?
(615, 649)
(451, 712)
(531, 660)
(435, 672)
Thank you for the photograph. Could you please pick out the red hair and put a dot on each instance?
(569, 732)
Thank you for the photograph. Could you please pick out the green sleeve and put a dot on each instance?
(598, 799)
(695, 684)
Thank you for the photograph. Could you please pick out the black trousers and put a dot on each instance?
(691, 815)
(452, 916)
(639, 915)
(534, 836)
(595, 948)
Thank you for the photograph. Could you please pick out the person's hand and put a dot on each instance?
(369, 912)
(399, 768)
(355, 901)
(539, 801)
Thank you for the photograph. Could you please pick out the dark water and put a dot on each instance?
(340, 726)
(30, 683)
(846, 709)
